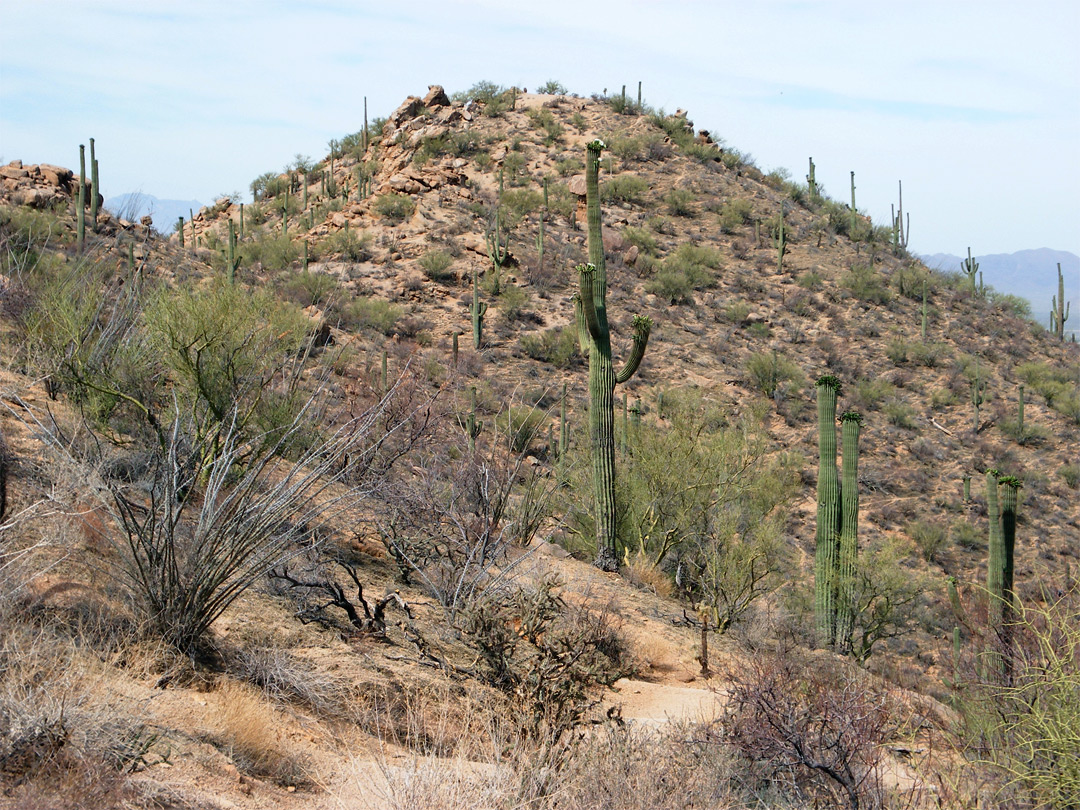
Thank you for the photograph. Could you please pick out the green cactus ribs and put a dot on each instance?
(594, 337)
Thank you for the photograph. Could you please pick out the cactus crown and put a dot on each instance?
(830, 381)
(994, 471)
(1010, 481)
(596, 145)
(642, 323)
(851, 416)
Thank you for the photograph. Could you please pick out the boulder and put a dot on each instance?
(436, 97)
(577, 185)
(56, 175)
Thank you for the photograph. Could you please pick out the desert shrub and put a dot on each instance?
(809, 280)
(270, 251)
(641, 238)
(351, 245)
(704, 152)
(558, 346)
(1070, 474)
(394, 207)
(942, 398)
(552, 88)
(867, 284)
(1010, 304)
(769, 371)
(759, 330)
(544, 119)
(624, 188)
(736, 312)
(680, 202)
(819, 726)
(735, 213)
(967, 536)
(512, 301)
(930, 355)
(568, 166)
(930, 537)
(307, 289)
(672, 286)
(899, 413)
(867, 393)
(522, 424)
(897, 351)
(370, 313)
(1031, 434)
(435, 264)
(687, 269)
(520, 202)
(495, 98)
(245, 728)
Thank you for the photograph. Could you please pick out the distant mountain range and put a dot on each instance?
(165, 213)
(1030, 274)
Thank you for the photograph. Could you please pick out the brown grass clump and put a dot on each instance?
(247, 728)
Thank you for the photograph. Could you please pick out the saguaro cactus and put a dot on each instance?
(850, 423)
(971, 268)
(477, 311)
(1059, 311)
(80, 214)
(811, 182)
(828, 512)
(595, 338)
(781, 243)
(95, 188)
(995, 566)
(854, 211)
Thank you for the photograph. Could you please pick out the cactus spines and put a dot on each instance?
(828, 512)
(80, 215)
(95, 188)
(594, 333)
(1059, 311)
(477, 311)
(971, 269)
(811, 182)
(850, 423)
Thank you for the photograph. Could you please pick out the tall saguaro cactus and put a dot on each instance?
(595, 338)
(477, 311)
(1059, 311)
(80, 214)
(971, 269)
(811, 182)
(850, 424)
(95, 188)
(828, 512)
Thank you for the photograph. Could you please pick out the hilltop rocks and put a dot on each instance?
(36, 186)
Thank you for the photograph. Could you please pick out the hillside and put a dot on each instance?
(378, 249)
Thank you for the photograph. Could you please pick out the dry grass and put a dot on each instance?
(247, 728)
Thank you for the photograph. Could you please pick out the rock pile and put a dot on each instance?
(37, 186)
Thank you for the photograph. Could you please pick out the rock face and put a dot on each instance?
(36, 186)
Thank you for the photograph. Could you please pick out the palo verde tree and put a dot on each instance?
(595, 338)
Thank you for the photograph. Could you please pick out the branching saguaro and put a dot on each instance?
(595, 338)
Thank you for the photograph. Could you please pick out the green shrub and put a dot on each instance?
(736, 312)
(1011, 304)
(967, 536)
(518, 203)
(734, 214)
(512, 301)
(759, 330)
(1070, 474)
(552, 88)
(899, 413)
(394, 207)
(942, 398)
(930, 537)
(671, 285)
(307, 289)
(866, 284)
(770, 371)
(809, 280)
(558, 346)
(522, 425)
(641, 238)
(687, 269)
(569, 166)
(867, 393)
(271, 252)
(435, 263)
(370, 313)
(930, 355)
(897, 351)
(352, 246)
(624, 188)
(680, 202)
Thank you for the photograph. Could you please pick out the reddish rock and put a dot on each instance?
(577, 185)
(436, 97)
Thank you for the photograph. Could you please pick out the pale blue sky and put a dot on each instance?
(974, 105)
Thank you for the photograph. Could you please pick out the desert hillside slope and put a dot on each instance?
(433, 633)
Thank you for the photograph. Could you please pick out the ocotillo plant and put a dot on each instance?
(971, 269)
(850, 423)
(477, 311)
(595, 338)
(80, 213)
(811, 182)
(826, 555)
(95, 187)
(1059, 310)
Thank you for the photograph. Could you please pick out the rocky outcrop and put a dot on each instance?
(36, 186)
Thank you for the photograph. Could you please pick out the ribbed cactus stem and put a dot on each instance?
(854, 214)
(1020, 412)
(996, 563)
(1059, 311)
(472, 425)
(454, 348)
(967, 489)
(971, 269)
(811, 182)
(923, 330)
(232, 260)
(781, 245)
(850, 424)
(828, 512)
(80, 214)
(593, 333)
(477, 311)
(1010, 488)
(564, 436)
(95, 188)
(976, 395)
(180, 229)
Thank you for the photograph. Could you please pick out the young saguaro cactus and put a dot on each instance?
(850, 424)
(826, 554)
(971, 269)
(1059, 311)
(595, 338)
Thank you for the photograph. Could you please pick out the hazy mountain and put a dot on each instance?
(1030, 274)
(134, 205)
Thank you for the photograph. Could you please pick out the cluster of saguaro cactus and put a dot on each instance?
(837, 520)
(1059, 309)
(971, 269)
(595, 339)
(477, 310)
